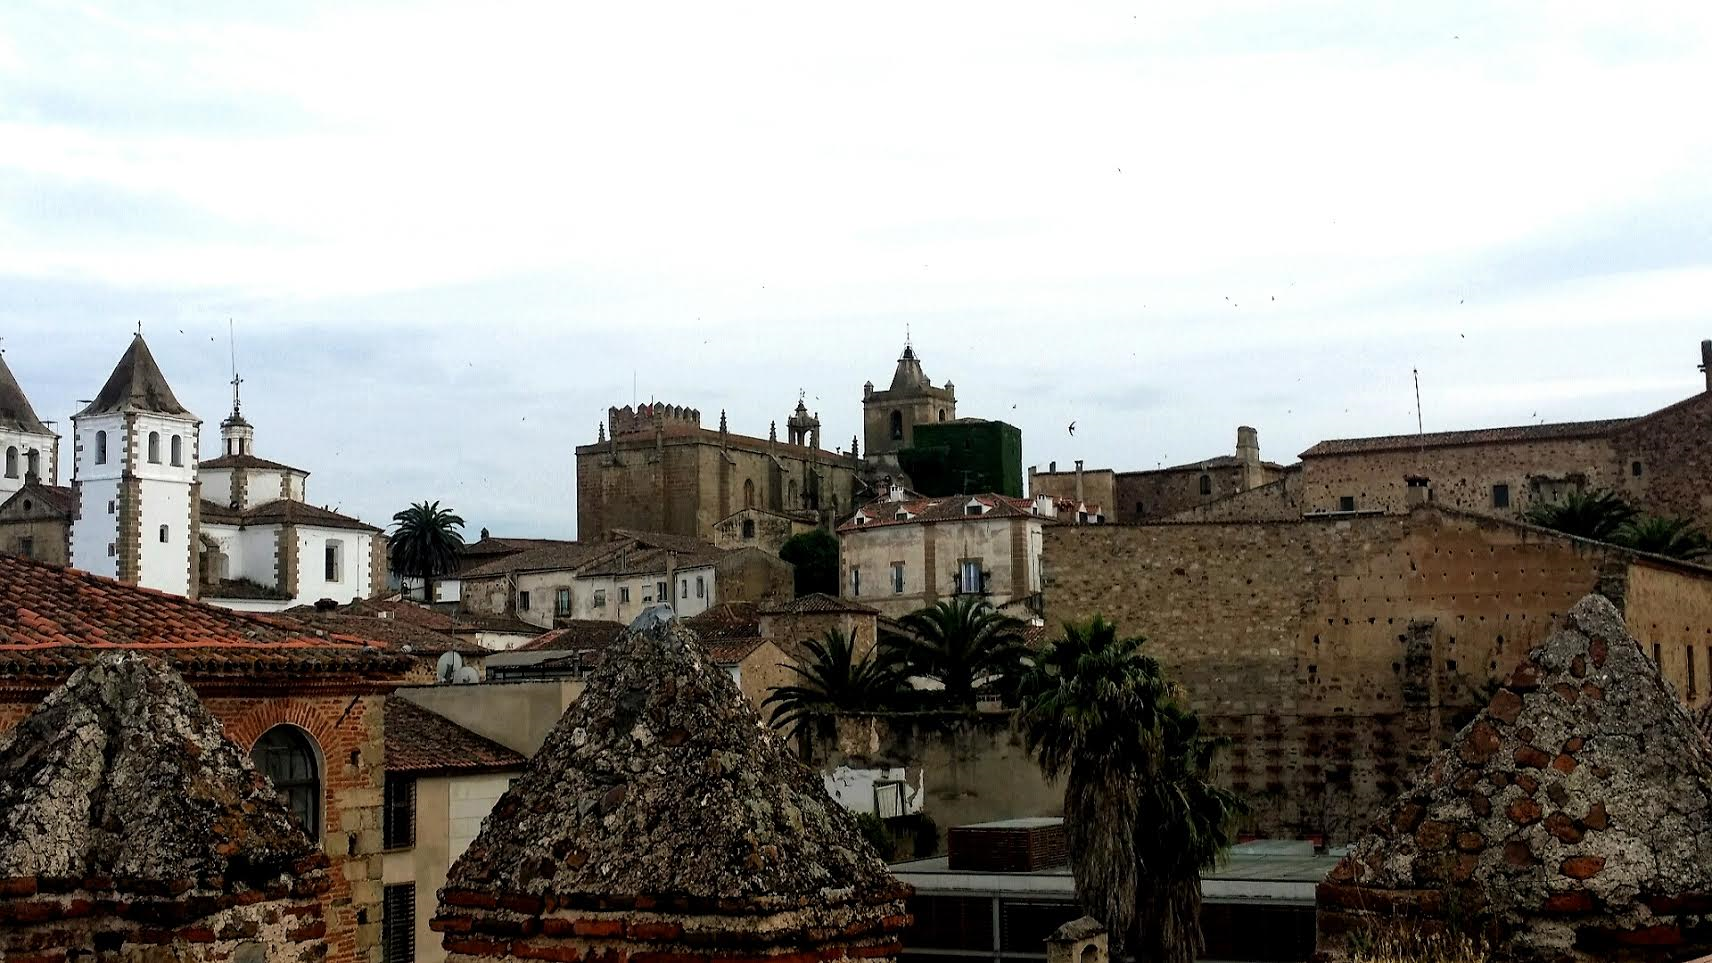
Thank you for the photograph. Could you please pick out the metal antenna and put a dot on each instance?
(1420, 429)
(232, 339)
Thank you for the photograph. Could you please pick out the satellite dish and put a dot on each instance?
(446, 670)
(465, 676)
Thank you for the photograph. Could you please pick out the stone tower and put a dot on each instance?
(134, 477)
(135, 830)
(30, 448)
(662, 820)
(889, 417)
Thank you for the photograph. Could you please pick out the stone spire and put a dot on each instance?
(1572, 817)
(121, 792)
(136, 384)
(15, 411)
(909, 376)
(661, 808)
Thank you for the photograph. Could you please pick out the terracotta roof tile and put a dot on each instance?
(820, 602)
(950, 508)
(550, 557)
(248, 461)
(54, 619)
(395, 633)
(56, 497)
(1480, 436)
(726, 622)
(420, 742)
(575, 635)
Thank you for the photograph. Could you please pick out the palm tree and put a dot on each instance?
(963, 644)
(425, 544)
(1142, 813)
(833, 679)
(1595, 514)
(1671, 537)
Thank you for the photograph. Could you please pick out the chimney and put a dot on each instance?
(1052, 468)
(1706, 362)
(1079, 495)
(1247, 458)
(484, 534)
(1079, 941)
(1419, 491)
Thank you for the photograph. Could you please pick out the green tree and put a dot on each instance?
(831, 680)
(964, 644)
(1671, 537)
(1143, 815)
(815, 555)
(425, 543)
(1596, 513)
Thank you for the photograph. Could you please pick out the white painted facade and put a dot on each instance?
(159, 451)
(472, 798)
(620, 598)
(344, 576)
(21, 450)
(885, 792)
(261, 485)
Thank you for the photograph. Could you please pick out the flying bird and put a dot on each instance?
(1072, 428)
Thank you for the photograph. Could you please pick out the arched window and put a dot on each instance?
(748, 493)
(101, 448)
(942, 414)
(163, 534)
(177, 450)
(154, 447)
(1206, 484)
(12, 462)
(286, 756)
(897, 426)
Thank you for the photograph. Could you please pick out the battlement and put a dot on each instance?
(673, 419)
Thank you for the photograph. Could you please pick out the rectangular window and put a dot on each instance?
(27, 547)
(523, 601)
(562, 602)
(1636, 469)
(660, 591)
(112, 507)
(1689, 649)
(855, 581)
(683, 588)
(335, 558)
(1140, 510)
(600, 598)
(624, 594)
(399, 831)
(897, 578)
(1346, 503)
(398, 924)
(969, 576)
(1500, 496)
(700, 587)
(112, 549)
(1658, 657)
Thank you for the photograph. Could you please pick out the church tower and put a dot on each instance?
(31, 450)
(134, 477)
(889, 417)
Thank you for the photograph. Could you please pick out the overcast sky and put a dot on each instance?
(449, 235)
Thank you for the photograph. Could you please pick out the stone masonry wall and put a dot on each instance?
(1335, 651)
(1461, 477)
(1675, 459)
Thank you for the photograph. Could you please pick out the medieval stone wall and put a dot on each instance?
(1335, 651)
(1278, 500)
(686, 484)
(1675, 461)
(1460, 476)
(1670, 613)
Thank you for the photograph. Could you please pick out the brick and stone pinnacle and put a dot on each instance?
(122, 775)
(1572, 817)
(661, 785)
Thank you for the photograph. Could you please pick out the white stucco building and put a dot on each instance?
(134, 480)
(30, 448)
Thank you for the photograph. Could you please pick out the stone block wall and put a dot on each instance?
(1675, 459)
(43, 922)
(1461, 476)
(1335, 651)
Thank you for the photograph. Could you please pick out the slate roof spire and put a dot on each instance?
(136, 384)
(15, 410)
(909, 375)
(661, 791)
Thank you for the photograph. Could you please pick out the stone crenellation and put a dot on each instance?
(646, 418)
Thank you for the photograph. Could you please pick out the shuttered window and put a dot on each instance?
(400, 828)
(398, 926)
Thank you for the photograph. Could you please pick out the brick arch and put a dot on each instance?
(247, 728)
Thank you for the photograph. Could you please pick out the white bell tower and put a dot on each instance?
(30, 449)
(134, 475)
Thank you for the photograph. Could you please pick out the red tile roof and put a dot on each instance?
(248, 461)
(396, 633)
(727, 621)
(731, 653)
(420, 742)
(652, 561)
(951, 508)
(820, 602)
(56, 498)
(53, 619)
(1480, 436)
(549, 557)
(575, 635)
